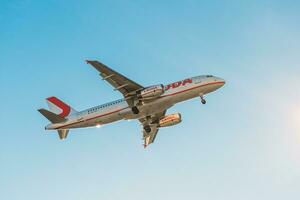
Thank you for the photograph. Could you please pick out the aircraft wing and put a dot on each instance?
(153, 122)
(121, 83)
(150, 137)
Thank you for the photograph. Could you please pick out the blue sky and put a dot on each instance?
(243, 144)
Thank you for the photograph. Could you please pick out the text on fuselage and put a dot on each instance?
(178, 84)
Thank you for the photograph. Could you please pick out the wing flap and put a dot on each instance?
(150, 137)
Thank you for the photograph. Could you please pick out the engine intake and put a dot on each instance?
(170, 120)
(152, 92)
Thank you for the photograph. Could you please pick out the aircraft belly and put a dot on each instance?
(96, 121)
(157, 106)
(209, 88)
(112, 118)
(152, 108)
(186, 95)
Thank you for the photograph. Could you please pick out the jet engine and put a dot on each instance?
(152, 92)
(170, 120)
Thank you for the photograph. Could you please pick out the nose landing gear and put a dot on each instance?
(203, 101)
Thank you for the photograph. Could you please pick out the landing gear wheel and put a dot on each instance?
(202, 99)
(135, 110)
(147, 128)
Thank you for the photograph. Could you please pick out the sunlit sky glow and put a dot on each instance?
(243, 144)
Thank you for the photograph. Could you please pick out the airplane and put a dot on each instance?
(146, 104)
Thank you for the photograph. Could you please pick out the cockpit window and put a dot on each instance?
(209, 76)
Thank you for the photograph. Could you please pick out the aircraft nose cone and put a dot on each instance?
(222, 81)
(219, 82)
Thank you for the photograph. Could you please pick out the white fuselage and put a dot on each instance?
(119, 109)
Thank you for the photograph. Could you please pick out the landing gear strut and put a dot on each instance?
(203, 101)
(135, 110)
(147, 128)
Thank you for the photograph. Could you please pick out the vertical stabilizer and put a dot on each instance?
(59, 107)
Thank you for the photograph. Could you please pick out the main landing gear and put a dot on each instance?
(135, 110)
(147, 128)
(203, 101)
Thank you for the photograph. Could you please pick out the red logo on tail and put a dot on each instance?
(64, 107)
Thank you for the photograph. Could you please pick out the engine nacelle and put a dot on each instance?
(152, 92)
(170, 120)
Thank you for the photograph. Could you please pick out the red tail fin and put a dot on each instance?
(59, 107)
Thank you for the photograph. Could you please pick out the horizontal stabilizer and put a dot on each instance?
(54, 118)
(63, 133)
